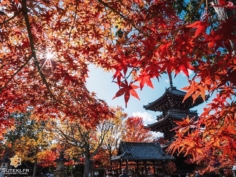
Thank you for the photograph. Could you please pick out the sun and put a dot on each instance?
(49, 55)
(48, 58)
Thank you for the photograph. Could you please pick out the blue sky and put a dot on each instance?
(101, 83)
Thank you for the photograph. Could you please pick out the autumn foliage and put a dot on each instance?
(47, 45)
(134, 131)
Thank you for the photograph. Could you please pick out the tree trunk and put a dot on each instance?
(110, 160)
(110, 156)
(87, 167)
(87, 163)
(35, 167)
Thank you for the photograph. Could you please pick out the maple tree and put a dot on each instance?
(28, 140)
(81, 140)
(46, 47)
(134, 131)
(129, 129)
(112, 139)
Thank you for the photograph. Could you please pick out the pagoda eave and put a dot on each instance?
(173, 98)
(170, 117)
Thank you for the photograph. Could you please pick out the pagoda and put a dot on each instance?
(173, 109)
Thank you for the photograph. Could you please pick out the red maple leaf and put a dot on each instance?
(144, 78)
(127, 90)
(223, 3)
(176, 64)
(214, 39)
(47, 16)
(201, 27)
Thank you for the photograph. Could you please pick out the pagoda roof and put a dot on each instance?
(170, 116)
(136, 151)
(169, 98)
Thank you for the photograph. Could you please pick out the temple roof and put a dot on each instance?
(136, 151)
(172, 98)
(174, 114)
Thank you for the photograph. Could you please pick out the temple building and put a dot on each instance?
(172, 109)
(140, 159)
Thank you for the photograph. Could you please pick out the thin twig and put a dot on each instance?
(11, 18)
(16, 73)
(72, 26)
(125, 18)
(196, 10)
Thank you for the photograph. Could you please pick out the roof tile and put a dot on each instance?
(141, 151)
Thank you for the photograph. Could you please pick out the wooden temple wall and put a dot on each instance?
(138, 168)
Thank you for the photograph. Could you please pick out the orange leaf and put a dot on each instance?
(144, 78)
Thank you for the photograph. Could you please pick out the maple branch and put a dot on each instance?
(104, 131)
(74, 139)
(27, 61)
(125, 18)
(196, 10)
(135, 68)
(36, 62)
(72, 26)
(173, 38)
(68, 139)
(111, 8)
(9, 19)
(82, 135)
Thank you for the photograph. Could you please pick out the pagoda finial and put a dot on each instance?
(171, 81)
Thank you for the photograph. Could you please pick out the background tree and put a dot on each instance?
(130, 129)
(23, 126)
(81, 139)
(134, 131)
(113, 137)
(28, 139)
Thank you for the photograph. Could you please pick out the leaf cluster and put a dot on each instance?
(47, 46)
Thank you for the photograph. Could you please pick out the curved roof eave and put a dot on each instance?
(175, 92)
